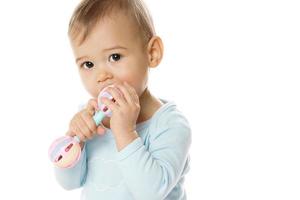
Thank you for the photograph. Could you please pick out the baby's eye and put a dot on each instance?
(87, 65)
(114, 57)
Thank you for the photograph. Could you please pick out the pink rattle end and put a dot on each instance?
(65, 152)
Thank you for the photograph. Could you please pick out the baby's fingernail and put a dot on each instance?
(100, 130)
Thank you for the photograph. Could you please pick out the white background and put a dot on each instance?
(231, 66)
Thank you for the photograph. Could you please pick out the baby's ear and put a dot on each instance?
(155, 51)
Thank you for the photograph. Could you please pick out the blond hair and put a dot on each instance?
(89, 12)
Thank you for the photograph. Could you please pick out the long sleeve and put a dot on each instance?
(150, 174)
(74, 177)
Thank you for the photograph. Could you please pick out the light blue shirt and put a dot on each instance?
(152, 167)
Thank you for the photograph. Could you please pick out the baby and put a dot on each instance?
(142, 151)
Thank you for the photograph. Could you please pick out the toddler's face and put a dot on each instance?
(112, 53)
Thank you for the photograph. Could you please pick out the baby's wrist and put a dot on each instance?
(122, 140)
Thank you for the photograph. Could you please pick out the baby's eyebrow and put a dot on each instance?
(77, 59)
(114, 47)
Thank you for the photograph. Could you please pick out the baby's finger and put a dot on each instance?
(81, 136)
(126, 93)
(92, 106)
(74, 131)
(101, 130)
(70, 133)
(89, 122)
(132, 92)
(83, 129)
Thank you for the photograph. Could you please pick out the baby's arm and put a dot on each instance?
(152, 174)
(74, 177)
(82, 125)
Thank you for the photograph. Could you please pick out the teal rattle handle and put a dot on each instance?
(98, 117)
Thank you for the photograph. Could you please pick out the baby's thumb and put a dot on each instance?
(92, 106)
(100, 130)
(70, 133)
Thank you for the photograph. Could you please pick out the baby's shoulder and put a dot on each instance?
(169, 119)
(169, 115)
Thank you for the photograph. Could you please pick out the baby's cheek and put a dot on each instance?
(92, 91)
(138, 87)
(91, 88)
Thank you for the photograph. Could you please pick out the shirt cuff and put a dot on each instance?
(130, 149)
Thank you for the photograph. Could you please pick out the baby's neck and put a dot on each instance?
(149, 105)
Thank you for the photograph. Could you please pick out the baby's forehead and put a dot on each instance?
(118, 26)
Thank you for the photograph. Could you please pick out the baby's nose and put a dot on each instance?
(103, 75)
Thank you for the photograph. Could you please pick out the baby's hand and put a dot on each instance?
(125, 109)
(83, 124)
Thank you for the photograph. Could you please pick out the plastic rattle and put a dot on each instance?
(65, 151)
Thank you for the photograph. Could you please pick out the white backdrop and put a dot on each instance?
(231, 66)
